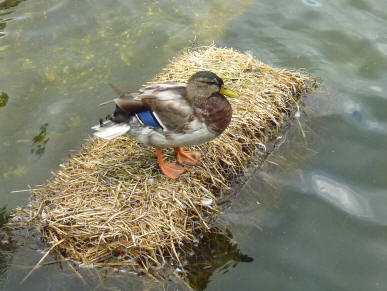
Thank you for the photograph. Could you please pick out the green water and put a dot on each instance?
(316, 221)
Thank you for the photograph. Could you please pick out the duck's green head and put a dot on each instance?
(203, 84)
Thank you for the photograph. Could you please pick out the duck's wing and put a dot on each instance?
(131, 104)
(154, 89)
(149, 98)
(168, 102)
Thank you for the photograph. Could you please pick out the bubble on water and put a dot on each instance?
(313, 3)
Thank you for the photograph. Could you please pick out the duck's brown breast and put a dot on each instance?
(216, 112)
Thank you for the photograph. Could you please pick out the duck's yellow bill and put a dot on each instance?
(227, 92)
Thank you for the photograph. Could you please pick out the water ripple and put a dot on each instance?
(39, 11)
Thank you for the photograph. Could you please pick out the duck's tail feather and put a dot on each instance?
(109, 129)
(118, 90)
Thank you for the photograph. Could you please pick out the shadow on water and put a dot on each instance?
(3, 99)
(40, 141)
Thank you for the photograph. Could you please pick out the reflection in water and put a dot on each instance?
(216, 252)
(4, 6)
(3, 216)
(9, 4)
(341, 196)
(313, 3)
(7, 244)
(39, 141)
(3, 99)
(2, 27)
(363, 118)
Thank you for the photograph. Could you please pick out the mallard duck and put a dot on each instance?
(172, 114)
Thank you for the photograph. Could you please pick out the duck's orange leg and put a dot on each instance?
(187, 157)
(171, 170)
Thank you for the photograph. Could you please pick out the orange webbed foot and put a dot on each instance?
(171, 170)
(187, 157)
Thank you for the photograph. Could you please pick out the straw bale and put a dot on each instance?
(109, 205)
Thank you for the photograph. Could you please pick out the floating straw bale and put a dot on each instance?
(109, 205)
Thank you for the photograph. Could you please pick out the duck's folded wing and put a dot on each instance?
(148, 97)
(162, 87)
(172, 113)
(131, 104)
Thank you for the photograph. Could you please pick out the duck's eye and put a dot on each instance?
(210, 82)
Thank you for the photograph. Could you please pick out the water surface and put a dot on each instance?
(314, 218)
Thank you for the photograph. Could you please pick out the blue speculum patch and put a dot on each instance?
(148, 119)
